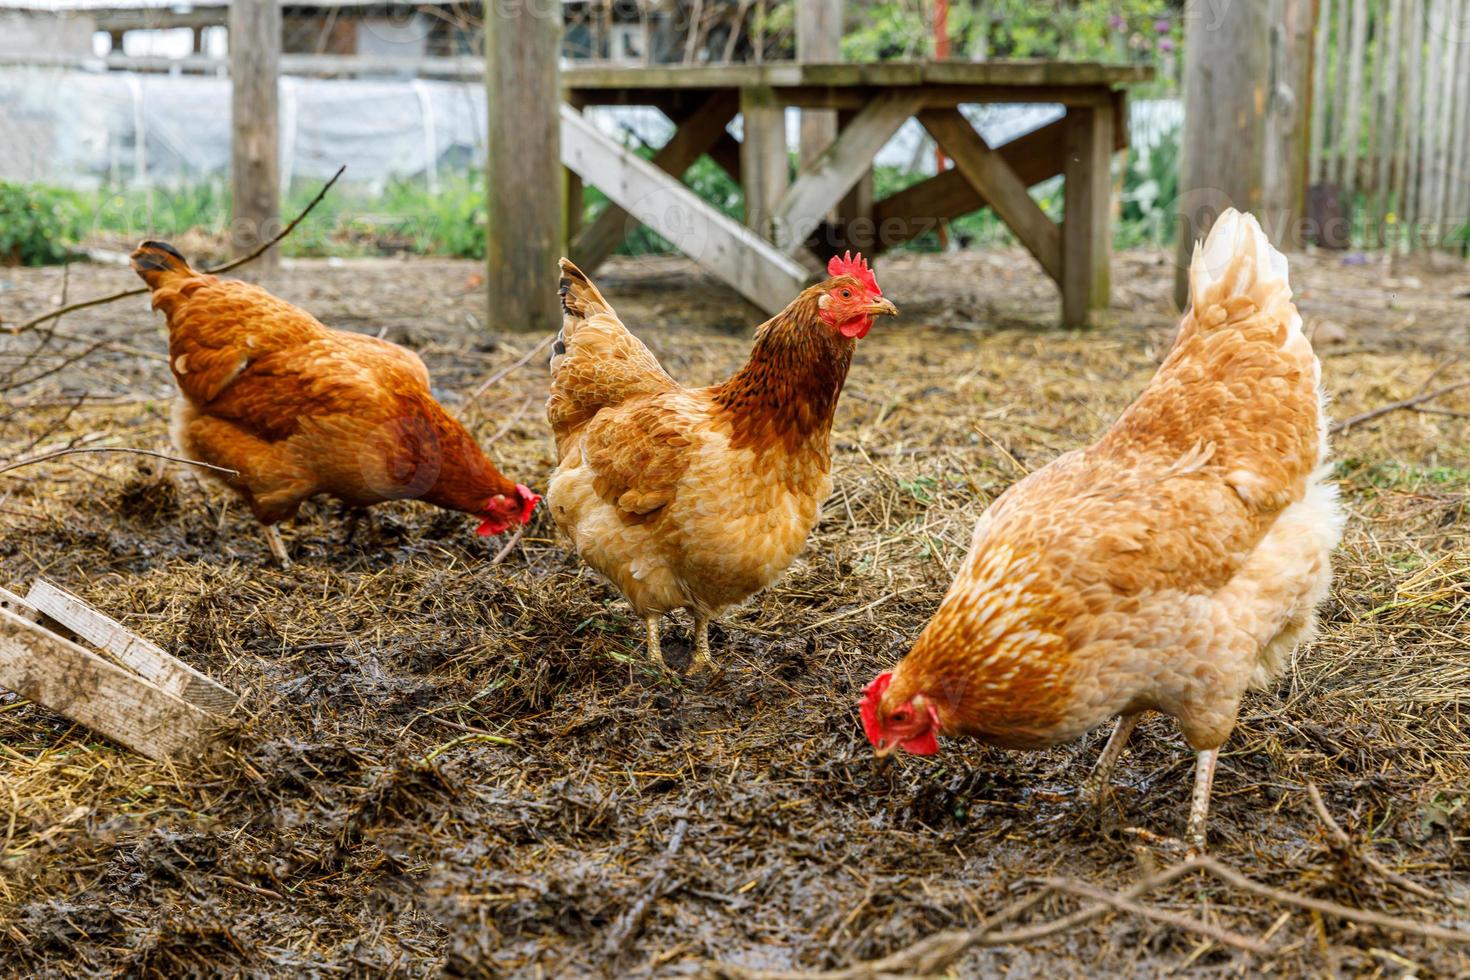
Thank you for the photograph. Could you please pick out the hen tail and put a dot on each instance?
(165, 271)
(596, 362)
(1234, 273)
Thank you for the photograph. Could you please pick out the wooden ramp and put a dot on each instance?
(133, 692)
(651, 196)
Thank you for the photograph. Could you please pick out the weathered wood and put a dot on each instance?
(149, 661)
(913, 211)
(886, 74)
(999, 185)
(82, 686)
(695, 135)
(818, 39)
(1226, 71)
(1087, 238)
(523, 186)
(1323, 31)
(735, 254)
(765, 164)
(840, 167)
(1352, 123)
(1288, 126)
(255, 177)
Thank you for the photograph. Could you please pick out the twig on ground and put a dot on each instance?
(1340, 835)
(228, 266)
(1189, 924)
(77, 451)
(1230, 876)
(1402, 403)
(515, 539)
(499, 375)
(632, 921)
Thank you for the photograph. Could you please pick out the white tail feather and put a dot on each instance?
(1237, 259)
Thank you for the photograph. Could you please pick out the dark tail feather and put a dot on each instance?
(579, 298)
(155, 261)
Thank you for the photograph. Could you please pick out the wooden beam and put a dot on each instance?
(255, 176)
(915, 211)
(819, 39)
(840, 167)
(694, 136)
(765, 165)
(524, 204)
(78, 684)
(1006, 193)
(149, 661)
(1086, 223)
(735, 254)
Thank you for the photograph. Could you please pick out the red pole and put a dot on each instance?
(941, 53)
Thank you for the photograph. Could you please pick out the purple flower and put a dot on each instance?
(1166, 44)
(1116, 22)
(1161, 26)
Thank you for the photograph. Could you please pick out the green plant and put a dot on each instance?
(36, 224)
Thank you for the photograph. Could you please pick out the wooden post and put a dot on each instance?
(1289, 113)
(255, 176)
(1087, 240)
(764, 164)
(524, 188)
(818, 39)
(1226, 71)
(819, 27)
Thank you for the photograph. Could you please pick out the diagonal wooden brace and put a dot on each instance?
(994, 180)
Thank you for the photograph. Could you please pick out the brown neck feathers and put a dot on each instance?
(787, 392)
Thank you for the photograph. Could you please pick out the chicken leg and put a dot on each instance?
(1095, 786)
(1199, 807)
(655, 651)
(701, 660)
(278, 547)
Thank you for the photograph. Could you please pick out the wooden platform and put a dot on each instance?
(828, 207)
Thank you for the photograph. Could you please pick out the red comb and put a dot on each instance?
(872, 694)
(857, 267)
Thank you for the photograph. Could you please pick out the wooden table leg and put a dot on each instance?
(1086, 229)
(765, 164)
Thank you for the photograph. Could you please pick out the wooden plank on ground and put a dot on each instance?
(737, 255)
(167, 672)
(81, 686)
(987, 170)
(828, 179)
(693, 137)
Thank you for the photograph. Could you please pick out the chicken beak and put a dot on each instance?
(883, 308)
(885, 749)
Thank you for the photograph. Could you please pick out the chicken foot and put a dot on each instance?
(278, 547)
(1095, 786)
(1199, 807)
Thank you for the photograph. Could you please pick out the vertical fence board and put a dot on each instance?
(1317, 164)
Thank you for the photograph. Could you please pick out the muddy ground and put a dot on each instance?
(453, 765)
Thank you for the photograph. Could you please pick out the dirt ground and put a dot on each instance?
(458, 766)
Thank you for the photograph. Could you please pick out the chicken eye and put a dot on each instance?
(847, 294)
(901, 715)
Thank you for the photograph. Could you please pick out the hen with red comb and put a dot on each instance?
(697, 498)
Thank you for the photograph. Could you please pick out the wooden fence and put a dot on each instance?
(1391, 117)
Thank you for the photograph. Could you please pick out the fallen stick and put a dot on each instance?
(79, 451)
(503, 372)
(228, 266)
(1393, 877)
(1230, 876)
(1402, 403)
(1179, 921)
